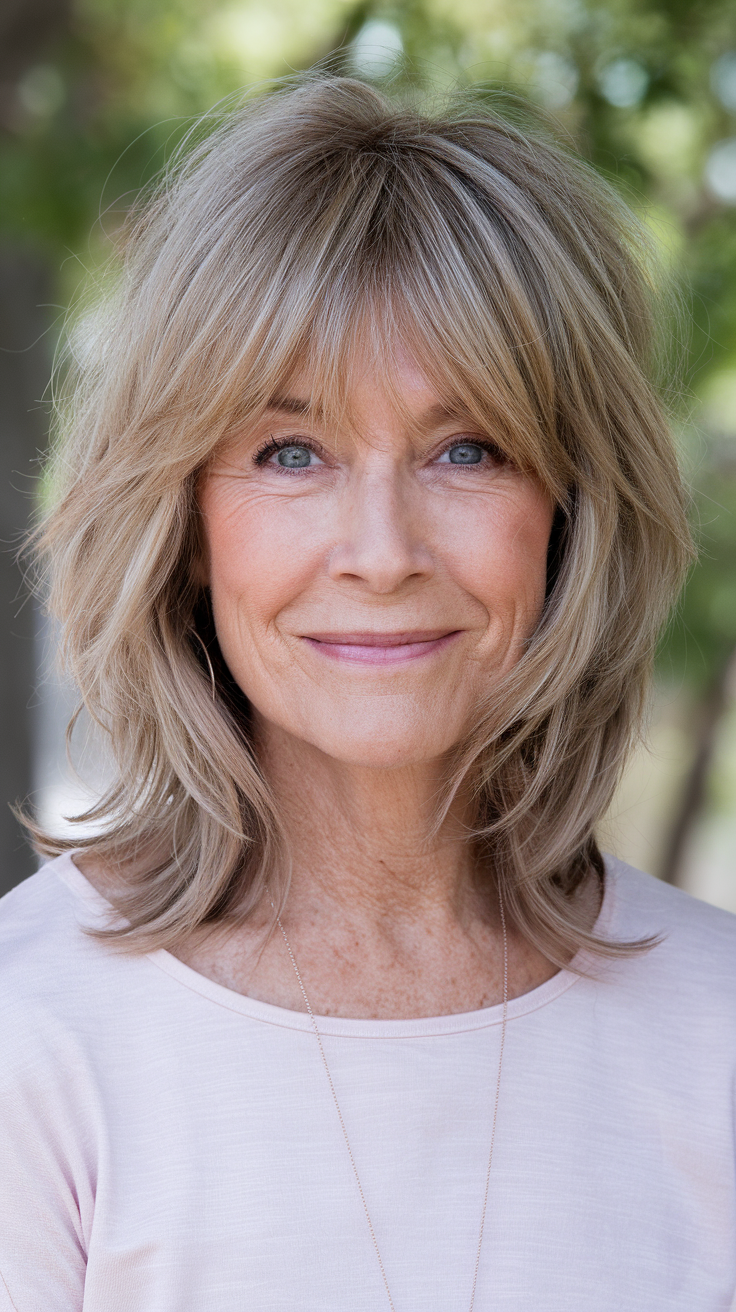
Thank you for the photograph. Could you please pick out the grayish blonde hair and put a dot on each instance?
(308, 223)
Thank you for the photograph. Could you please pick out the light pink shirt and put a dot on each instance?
(167, 1145)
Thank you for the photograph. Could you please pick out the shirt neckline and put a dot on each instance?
(98, 914)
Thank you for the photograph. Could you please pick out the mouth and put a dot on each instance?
(381, 648)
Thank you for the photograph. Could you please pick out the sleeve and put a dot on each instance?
(46, 1186)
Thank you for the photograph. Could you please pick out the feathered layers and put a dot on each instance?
(314, 223)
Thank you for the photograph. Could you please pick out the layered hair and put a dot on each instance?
(314, 223)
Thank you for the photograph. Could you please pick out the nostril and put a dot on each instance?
(383, 561)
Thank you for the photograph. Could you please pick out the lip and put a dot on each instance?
(371, 648)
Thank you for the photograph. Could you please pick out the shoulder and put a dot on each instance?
(35, 916)
(51, 971)
(650, 906)
(692, 963)
(39, 921)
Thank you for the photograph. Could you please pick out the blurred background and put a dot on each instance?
(95, 95)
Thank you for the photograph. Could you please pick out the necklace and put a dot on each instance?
(340, 1117)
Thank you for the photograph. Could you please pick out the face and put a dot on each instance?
(371, 584)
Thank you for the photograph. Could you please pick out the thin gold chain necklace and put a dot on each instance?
(340, 1117)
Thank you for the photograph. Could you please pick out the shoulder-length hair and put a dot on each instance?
(309, 222)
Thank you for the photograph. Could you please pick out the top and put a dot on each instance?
(168, 1145)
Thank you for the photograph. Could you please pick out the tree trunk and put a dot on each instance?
(27, 29)
(24, 374)
(712, 710)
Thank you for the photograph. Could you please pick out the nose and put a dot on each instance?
(383, 539)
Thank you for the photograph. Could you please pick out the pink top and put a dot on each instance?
(167, 1145)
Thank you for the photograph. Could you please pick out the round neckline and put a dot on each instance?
(99, 911)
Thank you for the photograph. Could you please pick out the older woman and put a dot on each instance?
(367, 521)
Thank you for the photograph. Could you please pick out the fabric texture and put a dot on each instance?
(167, 1145)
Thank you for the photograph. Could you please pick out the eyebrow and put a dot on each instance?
(436, 414)
(444, 412)
(291, 405)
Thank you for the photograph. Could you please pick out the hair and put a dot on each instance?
(310, 222)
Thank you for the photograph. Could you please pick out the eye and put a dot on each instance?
(294, 457)
(472, 453)
(288, 455)
(464, 453)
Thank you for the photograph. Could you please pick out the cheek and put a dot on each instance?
(259, 555)
(500, 553)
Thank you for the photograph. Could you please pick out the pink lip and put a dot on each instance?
(380, 648)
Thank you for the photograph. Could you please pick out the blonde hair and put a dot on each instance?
(309, 222)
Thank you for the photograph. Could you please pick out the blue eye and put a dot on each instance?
(286, 454)
(465, 453)
(294, 457)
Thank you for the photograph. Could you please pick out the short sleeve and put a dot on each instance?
(46, 1185)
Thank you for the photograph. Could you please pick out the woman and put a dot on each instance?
(367, 520)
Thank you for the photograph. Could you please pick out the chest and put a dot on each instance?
(232, 1187)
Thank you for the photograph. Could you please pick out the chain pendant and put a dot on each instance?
(343, 1127)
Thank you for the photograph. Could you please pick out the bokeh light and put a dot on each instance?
(723, 79)
(623, 82)
(720, 171)
(376, 50)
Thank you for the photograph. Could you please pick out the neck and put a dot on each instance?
(384, 914)
(365, 841)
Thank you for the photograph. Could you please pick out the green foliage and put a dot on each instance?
(703, 633)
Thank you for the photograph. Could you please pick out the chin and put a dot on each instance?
(381, 747)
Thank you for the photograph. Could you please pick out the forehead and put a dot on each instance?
(369, 388)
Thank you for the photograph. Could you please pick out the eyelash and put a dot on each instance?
(275, 444)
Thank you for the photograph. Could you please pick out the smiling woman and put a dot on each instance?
(416, 538)
(367, 520)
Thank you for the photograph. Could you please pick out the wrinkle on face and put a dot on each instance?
(381, 534)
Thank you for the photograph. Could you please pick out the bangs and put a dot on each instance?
(405, 261)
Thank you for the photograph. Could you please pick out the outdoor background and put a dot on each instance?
(95, 94)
